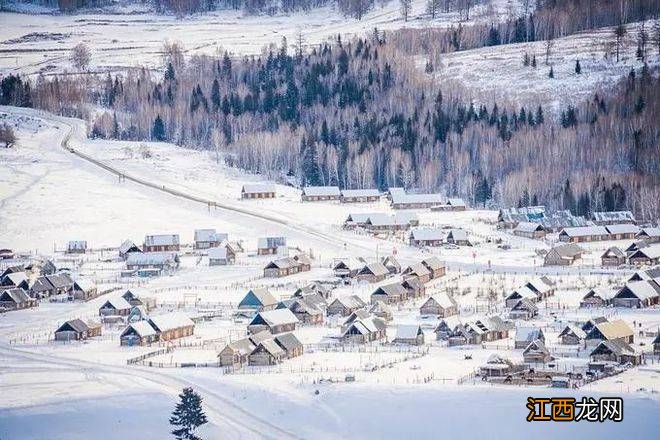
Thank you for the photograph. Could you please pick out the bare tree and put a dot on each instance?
(172, 53)
(7, 135)
(619, 32)
(433, 7)
(406, 6)
(549, 44)
(81, 56)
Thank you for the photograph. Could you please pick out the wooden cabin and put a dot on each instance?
(84, 290)
(616, 330)
(236, 354)
(115, 307)
(572, 335)
(389, 294)
(401, 200)
(208, 238)
(359, 195)
(287, 266)
(320, 193)
(221, 256)
(257, 191)
(76, 330)
(373, 273)
(536, 353)
(422, 237)
(525, 335)
(598, 297)
(619, 352)
(126, 248)
(648, 255)
(275, 321)
(563, 255)
(524, 309)
(345, 306)
(138, 333)
(613, 256)
(440, 304)
(392, 264)
(290, 344)
(418, 270)
(161, 243)
(409, 335)
(637, 294)
(258, 300)
(458, 237)
(172, 326)
(15, 298)
(435, 266)
(534, 231)
(267, 352)
(365, 330)
(15, 279)
(414, 287)
(581, 234)
(624, 231)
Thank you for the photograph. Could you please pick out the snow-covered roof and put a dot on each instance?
(433, 263)
(568, 250)
(255, 188)
(443, 300)
(360, 193)
(402, 218)
(458, 234)
(571, 328)
(528, 227)
(651, 251)
(584, 231)
(17, 277)
(288, 341)
(624, 228)
(616, 329)
(126, 246)
(142, 328)
(540, 284)
(650, 232)
(351, 302)
(605, 293)
(523, 292)
(16, 294)
(642, 289)
(359, 218)
(161, 240)
(275, 317)
(376, 269)
(526, 213)
(321, 191)
(170, 321)
(407, 331)
(117, 303)
(84, 284)
(614, 252)
(151, 258)
(210, 235)
(417, 269)
(218, 253)
(427, 234)
(271, 347)
(402, 198)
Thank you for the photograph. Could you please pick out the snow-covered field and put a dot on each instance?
(41, 43)
(500, 76)
(50, 196)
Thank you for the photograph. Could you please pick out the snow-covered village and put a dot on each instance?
(329, 219)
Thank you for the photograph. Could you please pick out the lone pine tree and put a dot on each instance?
(187, 415)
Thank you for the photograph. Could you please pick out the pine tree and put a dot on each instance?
(552, 73)
(158, 129)
(534, 61)
(188, 415)
(578, 69)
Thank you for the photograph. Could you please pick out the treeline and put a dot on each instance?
(357, 114)
(550, 20)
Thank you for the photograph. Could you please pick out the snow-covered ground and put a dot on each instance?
(498, 74)
(41, 43)
(50, 196)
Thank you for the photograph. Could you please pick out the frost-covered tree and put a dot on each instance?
(81, 56)
(188, 415)
(7, 135)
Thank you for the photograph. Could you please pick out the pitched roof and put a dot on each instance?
(458, 234)
(321, 191)
(84, 285)
(170, 321)
(528, 227)
(393, 289)
(261, 295)
(428, 234)
(401, 218)
(540, 284)
(77, 325)
(142, 328)
(568, 250)
(16, 277)
(210, 235)
(574, 329)
(642, 290)
(376, 269)
(15, 294)
(151, 258)
(161, 240)
(433, 263)
(275, 317)
(360, 193)
(253, 188)
(613, 252)
(617, 347)
(651, 251)
(350, 302)
(442, 299)
(650, 232)
(614, 329)
(271, 242)
(126, 246)
(406, 331)
(417, 269)
(523, 292)
(271, 347)
(625, 228)
(288, 341)
(584, 231)
(605, 293)
(525, 304)
(117, 303)
(359, 218)
(217, 253)
(367, 325)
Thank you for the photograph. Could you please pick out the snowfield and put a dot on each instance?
(33, 44)
(500, 76)
(50, 196)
